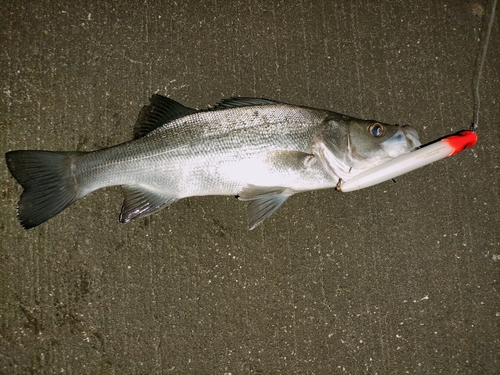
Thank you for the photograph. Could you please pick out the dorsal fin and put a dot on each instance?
(241, 102)
(160, 111)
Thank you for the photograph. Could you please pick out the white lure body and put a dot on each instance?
(443, 148)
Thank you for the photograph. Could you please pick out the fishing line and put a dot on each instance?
(480, 62)
(442, 148)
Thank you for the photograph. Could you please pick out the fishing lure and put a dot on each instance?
(442, 148)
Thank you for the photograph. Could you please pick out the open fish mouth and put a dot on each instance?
(405, 140)
(412, 139)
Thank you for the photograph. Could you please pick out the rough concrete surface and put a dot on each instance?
(398, 278)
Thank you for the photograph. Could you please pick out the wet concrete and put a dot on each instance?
(398, 278)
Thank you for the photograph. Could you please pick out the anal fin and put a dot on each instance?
(264, 201)
(140, 202)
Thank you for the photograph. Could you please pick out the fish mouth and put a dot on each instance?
(403, 141)
(411, 135)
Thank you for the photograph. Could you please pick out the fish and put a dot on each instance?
(259, 150)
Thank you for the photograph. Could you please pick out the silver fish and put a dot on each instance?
(259, 150)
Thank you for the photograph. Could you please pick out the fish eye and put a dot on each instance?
(376, 129)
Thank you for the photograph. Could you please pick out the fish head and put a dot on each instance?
(350, 146)
(372, 142)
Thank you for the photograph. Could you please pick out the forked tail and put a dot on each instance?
(48, 182)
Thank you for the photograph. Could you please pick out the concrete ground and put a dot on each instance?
(398, 278)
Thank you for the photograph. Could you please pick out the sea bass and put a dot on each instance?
(258, 150)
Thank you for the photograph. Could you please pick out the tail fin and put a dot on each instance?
(48, 182)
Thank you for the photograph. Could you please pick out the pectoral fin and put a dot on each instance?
(264, 201)
(140, 202)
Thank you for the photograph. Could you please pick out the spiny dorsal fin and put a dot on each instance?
(160, 111)
(140, 202)
(235, 102)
